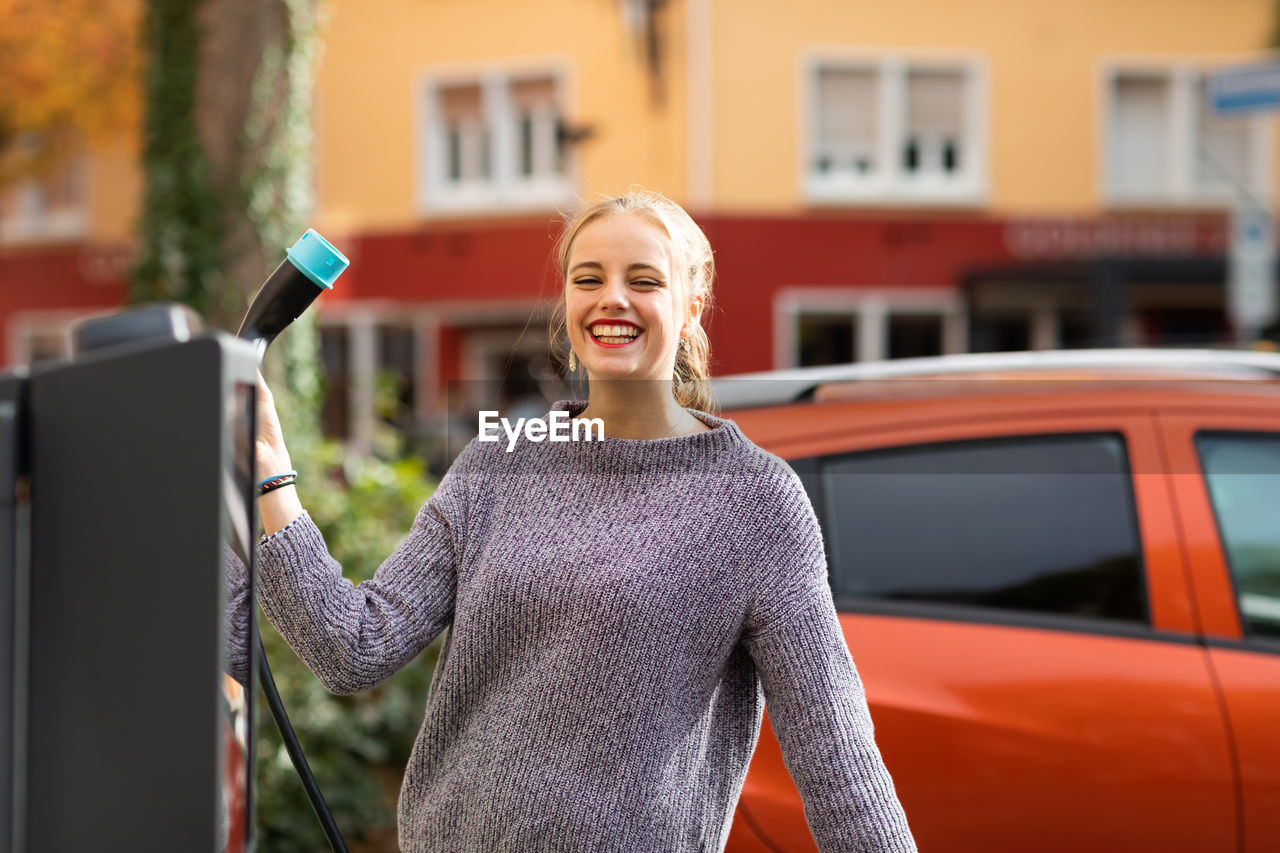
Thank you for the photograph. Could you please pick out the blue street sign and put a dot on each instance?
(1245, 89)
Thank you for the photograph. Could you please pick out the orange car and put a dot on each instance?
(1059, 576)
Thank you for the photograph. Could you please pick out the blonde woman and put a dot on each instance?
(618, 611)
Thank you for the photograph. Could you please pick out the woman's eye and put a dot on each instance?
(588, 281)
(645, 282)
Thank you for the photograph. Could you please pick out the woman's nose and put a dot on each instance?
(614, 294)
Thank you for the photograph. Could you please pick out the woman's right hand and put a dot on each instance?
(272, 457)
(280, 506)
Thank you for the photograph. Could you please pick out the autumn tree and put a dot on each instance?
(68, 70)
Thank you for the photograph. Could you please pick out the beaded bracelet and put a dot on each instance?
(278, 481)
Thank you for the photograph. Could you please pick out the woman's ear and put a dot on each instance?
(695, 315)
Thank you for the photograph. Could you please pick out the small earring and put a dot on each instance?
(573, 361)
(684, 345)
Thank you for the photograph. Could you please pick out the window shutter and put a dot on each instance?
(1139, 161)
(848, 107)
(935, 121)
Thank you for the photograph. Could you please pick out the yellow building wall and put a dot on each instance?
(114, 189)
(377, 52)
(1044, 61)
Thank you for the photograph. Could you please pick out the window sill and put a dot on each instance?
(1216, 202)
(56, 227)
(823, 191)
(521, 198)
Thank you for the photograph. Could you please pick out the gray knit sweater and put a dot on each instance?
(617, 612)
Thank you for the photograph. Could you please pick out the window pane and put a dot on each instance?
(537, 118)
(825, 339)
(395, 386)
(538, 93)
(915, 335)
(335, 358)
(1001, 332)
(935, 122)
(848, 107)
(1139, 155)
(1043, 524)
(53, 163)
(466, 135)
(455, 155)
(460, 104)
(47, 345)
(526, 145)
(483, 155)
(1075, 328)
(1242, 471)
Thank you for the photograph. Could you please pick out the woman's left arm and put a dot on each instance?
(815, 698)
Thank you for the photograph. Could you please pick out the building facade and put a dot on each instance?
(878, 180)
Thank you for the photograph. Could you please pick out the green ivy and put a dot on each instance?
(277, 186)
(179, 228)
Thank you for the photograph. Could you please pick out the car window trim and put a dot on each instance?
(1259, 645)
(972, 615)
(786, 447)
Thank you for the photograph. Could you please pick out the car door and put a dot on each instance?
(1227, 496)
(1014, 596)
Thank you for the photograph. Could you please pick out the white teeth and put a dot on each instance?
(624, 333)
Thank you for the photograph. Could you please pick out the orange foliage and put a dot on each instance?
(68, 63)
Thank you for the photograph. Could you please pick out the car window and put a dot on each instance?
(1242, 472)
(1040, 524)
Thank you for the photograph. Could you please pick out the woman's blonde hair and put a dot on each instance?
(692, 264)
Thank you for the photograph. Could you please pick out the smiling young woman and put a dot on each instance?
(637, 274)
(618, 611)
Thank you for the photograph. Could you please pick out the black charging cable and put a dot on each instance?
(310, 268)
(291, 745)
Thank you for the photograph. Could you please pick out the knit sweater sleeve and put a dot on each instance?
(235, 619)
(813, 693)
(354, 637)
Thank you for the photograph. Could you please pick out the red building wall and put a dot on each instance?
(510, 260)
(58, 278)
(756, 257)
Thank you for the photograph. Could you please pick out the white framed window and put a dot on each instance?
(52, 202)
(36, 336)
(372, 358)
(894, 129)
(817, 326)
(1164, 146)
(493, 140)
(382, 364)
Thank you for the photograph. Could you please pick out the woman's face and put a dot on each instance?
(624, 310)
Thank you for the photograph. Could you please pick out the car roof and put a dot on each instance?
(779, 387)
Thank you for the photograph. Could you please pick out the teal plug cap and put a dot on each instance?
(317, 259)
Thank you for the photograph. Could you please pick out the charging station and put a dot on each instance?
(126, 474)
(126, 486)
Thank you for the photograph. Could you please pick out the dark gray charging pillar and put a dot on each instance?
(130, 454)
(13, 574)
